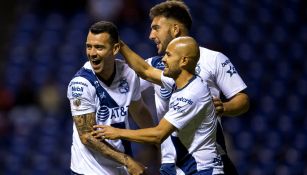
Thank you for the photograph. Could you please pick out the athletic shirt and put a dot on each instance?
(192, 112)
(221, 77)
(110, 103)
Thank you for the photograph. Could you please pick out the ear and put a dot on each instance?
(176, 30)
(116, 48)
(184, 61)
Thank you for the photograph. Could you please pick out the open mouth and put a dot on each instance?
(96, 62)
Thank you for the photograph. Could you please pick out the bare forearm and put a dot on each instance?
(84, 124)
(106, 150)
(155, 135)
(148, 135)
(236, 106)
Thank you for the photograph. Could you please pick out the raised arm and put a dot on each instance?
(137, 63)
(84, 124)
(154, 135)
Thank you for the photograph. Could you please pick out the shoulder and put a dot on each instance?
(207, 55)
(79, 82)
(79, 86)
(123, 67)
(211, 59)
(198, 85)
(156, 62)
(197, 89)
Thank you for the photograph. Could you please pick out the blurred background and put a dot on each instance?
(42, 46)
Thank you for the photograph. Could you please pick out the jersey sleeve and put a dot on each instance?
(81, 95)
(227, 77)
(182, 110)
(168, 83)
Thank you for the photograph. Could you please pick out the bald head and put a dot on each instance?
(187, 48)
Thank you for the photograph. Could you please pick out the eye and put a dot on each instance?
(155, 27)
(88, 46)
(99, 47)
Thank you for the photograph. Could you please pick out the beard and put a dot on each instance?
(171, 73)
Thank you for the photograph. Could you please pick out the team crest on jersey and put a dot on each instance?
(123, 86)
(197, 69)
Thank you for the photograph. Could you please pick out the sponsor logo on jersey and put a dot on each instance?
(185, 100)
(231, 71)
(123, 86)
(76, 91)
(104, 113)
(179, 103)
(77, 83)
(225, 63)
(175, 106)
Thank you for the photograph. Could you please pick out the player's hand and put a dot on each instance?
(135, 168)
(219, 107)
(105, 132)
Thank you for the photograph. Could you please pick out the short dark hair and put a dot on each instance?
(106, 27)
(173, 9)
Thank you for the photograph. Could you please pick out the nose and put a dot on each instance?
(164, 59)
(151, 35)
(92, 52)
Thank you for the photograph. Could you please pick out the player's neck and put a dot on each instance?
(107, 77)
(183, 79)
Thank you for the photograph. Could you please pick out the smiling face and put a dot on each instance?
(171, 61)
(181, 55)
(100, 52)
(161, 32)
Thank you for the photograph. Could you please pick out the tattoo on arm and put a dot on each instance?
(108, 150)
(84, 124)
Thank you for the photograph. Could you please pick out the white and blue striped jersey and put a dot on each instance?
(192, 112)
(88, 94)
(221, 77)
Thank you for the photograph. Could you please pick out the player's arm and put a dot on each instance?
(84, 124)
(154, 135)
(140, 114)
(232, 86)
(237, 105)
(141, 67)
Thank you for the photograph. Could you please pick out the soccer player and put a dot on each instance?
(171, 20)
(104, 91)
(190, 120)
